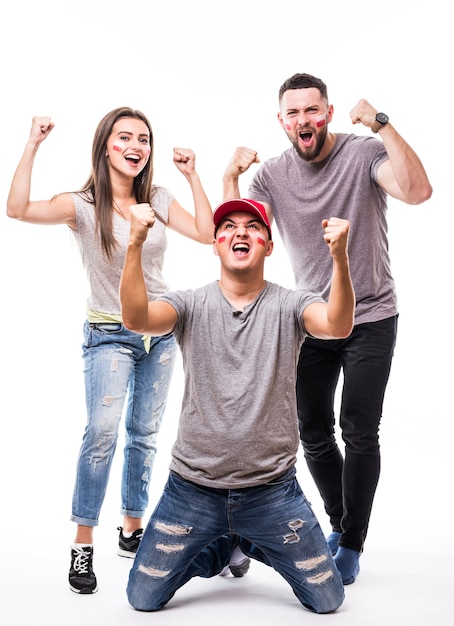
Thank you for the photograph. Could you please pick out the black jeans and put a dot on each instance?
(346, 483)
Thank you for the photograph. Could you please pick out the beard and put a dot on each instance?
(311, 153)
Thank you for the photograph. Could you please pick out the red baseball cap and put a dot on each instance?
(245, 206)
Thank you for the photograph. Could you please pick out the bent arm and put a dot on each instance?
(335, 319)
(151, 318)
(240, 162)
(199, 226)
(58, 210)
(403, 176)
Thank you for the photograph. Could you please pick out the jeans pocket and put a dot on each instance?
(111, 327)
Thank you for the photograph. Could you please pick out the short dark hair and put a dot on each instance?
(303, 81)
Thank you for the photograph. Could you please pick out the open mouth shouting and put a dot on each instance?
(133, 159)
(241, 248)
(306, 137)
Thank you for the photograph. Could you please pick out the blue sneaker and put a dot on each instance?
(347, 562)
(333, 541)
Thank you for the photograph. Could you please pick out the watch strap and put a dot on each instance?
(376, 126)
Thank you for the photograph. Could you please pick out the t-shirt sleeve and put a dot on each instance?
(181, 302)
(258, 187)
(303, 300)
(161, 200)
(377, 158)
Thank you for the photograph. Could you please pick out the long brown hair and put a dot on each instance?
(98, 188)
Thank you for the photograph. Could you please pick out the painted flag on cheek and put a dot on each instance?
(320, 121)
(261, 241)
(221, 239)
(117, 148)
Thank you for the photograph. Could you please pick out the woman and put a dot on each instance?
(117, 362)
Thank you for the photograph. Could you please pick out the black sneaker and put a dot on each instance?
(82, 578)
(240, 569)
(239, 564)
(127, 546)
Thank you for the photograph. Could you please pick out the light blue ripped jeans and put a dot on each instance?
(194, 529)
(116, 364)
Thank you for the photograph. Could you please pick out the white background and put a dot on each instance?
(207, 75)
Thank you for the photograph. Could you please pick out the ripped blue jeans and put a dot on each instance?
(194, 530)
(116, 366)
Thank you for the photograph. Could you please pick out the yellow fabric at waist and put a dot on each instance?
(96, 317)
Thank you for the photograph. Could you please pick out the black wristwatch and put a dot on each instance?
(381, 119)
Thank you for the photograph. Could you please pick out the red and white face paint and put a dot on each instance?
(260, 240)
(130, 138)
(249, 227)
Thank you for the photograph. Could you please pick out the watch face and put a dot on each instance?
(382, 118)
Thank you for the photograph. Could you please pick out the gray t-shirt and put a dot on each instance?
(344, 185)
(238, 423)
(103, 275)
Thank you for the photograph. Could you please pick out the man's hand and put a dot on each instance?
(363, 113)
(240, 162)
(336, 236)
(142, 217)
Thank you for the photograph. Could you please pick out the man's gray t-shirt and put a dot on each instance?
(344, 185)
(238, 423)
